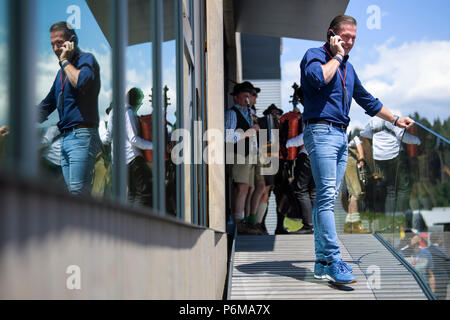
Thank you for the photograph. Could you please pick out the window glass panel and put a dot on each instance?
(70, 135)
(139, 112)
(169, 83)
(140, 163)
(188, 84)
(4, 86)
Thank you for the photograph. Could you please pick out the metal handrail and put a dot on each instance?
(417, 276)
(432, 132)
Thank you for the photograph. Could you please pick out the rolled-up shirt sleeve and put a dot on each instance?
(87, 72)
(106, 136)
(295, 142)
(312, 65)
(410, 139)
(402, 135)
(355, 142)
(367, 132)
(365, 99)
(231, 135)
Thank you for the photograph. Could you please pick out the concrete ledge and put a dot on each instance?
(121, 253)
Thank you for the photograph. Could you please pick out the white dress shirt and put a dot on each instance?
(51, 141)
(297, 142)
(386, 138)
(133, 142)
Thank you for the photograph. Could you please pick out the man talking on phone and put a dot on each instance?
(329, 83)
(75, 95)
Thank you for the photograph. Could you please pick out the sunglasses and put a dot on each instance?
(254, 94)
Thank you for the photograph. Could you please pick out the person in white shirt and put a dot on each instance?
(51, 152)
(390, 162)
(139, 173)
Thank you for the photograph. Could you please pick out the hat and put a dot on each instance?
(272, 108)
(240, 87)
(250, 85)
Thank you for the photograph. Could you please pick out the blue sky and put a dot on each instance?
(402, 63)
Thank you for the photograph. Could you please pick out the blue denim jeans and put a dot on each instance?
(78, 152)
(327, 149)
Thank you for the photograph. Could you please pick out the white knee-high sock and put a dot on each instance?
(261, 211)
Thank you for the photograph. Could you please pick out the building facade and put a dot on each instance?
(57, 246)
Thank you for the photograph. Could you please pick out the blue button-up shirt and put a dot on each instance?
(80, 103)
(326, 101)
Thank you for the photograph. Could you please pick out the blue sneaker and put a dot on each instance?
(319, 269)
(338, 273)
(349, 268)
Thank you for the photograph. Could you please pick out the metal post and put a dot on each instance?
(23, 142)
(203, 100)
(180, 101)
(196, 98)
(158, 132)
(119, 27)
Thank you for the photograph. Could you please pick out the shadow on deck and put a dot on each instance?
(281, 267)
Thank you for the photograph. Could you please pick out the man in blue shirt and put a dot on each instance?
(75, 95)
(329, 83)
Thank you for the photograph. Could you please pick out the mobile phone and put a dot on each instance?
(73, 39)
(330, 34)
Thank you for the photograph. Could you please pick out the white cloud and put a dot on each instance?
(412, 77)
(290, 74)
(46, 70)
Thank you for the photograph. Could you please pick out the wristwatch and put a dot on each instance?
(395, 120)
(62, 65)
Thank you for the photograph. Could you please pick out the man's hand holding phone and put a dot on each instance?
(336, 45)
(67, 51)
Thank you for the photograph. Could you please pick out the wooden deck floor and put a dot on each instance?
(281, 267)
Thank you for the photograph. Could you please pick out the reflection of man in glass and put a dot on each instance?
(390, 162)
(420, 258)
(75, 95)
